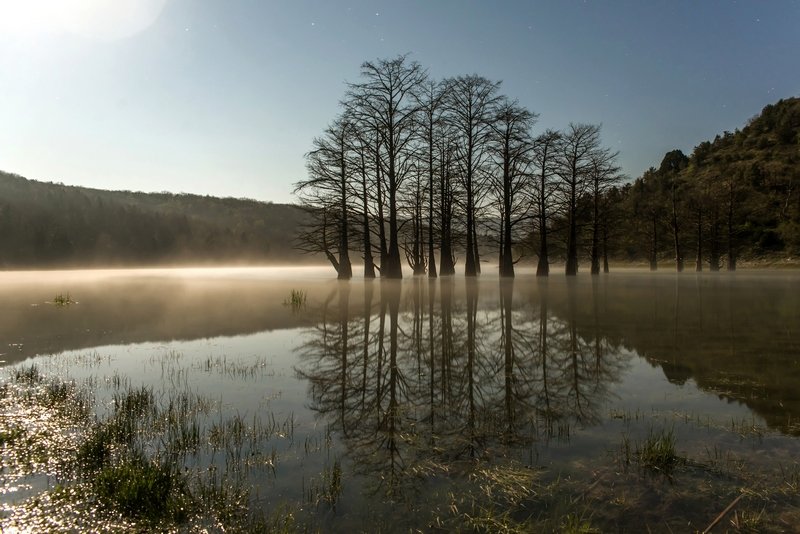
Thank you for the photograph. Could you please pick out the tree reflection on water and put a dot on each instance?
(426, 376)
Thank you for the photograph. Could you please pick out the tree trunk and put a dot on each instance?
(475, 244)
(506, 259)
(446, 250)
(469, 264)
(731, 243)
(325, 247)
(431, 256)
(448, 267)
(572, 245)
(595, 269)
(418, 261)
(393, 267)
(654, 246)
(698, 265)
(543, 267)
(714, 253)
(345, 269)
(676, 237)
(605, 247)
(369, 263)
(381, 214)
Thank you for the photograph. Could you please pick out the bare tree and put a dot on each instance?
(604, 174)
(447, 194)
(413, 200)
(511, 146)
(327, 189)
(580, 142)
(470, 105)
(671, 166)
(363, 144)
(431, 97)
(546, 148)
(385, 98)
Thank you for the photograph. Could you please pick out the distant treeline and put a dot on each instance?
(736, 196)
(413, 166)
(53, 225)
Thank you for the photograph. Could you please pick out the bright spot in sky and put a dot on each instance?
(106, 20)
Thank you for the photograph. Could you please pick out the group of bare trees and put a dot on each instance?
(411, 165)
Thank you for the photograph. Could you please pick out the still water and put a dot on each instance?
(440, 405)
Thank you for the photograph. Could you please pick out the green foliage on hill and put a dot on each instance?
(735, 196)
(53, 225)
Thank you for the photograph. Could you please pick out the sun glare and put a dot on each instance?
(95, 19)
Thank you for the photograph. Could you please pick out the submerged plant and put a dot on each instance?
(297, 299)
(658, 452)
(27, 375)
(142, 488)
(63, 300)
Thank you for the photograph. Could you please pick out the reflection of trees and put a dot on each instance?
(475, 378)
(583, 370)
(734, 336)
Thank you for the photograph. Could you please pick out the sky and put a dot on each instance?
(224, 97)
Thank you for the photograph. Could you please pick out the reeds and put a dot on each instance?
(297, 299)
(63, 300)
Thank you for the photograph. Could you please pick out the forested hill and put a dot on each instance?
(735, 196)
(53, 225)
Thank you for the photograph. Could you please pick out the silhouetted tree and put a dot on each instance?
(579, 144)
(604, 174)
(328, 186)
(470, 105)
(447, 198)
(385, 98)
(511, 146)
(431, 97)
(363, 148)
(671, 166)
(545, 151)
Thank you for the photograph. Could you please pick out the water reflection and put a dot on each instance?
(428, 376)
(126, 307)
(538, 353)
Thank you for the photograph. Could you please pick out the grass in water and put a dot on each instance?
(658, 452)
(143, 489)
(63, 300)
(297, 299)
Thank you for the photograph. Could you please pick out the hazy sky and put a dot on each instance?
(223, 97)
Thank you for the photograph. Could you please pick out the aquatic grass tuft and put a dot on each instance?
(27, 375)
(143, 489)
(328, 489)
(297, 299)
(63, 300)
(658, 453)
(11, 435)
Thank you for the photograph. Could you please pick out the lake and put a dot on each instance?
(623, 402)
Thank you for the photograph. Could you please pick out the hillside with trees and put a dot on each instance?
(736, 197)
(54, 225)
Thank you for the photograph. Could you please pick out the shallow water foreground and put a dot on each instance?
(214, 399)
